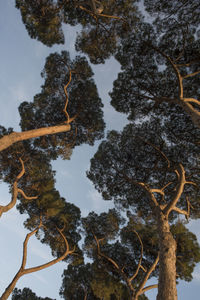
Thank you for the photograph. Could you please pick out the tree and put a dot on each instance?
(131, 255)
(51, 112)
(141, 171)
(101, 32)
(59, 220)
(23, 270)
(155, 175)
(26, 164)
(26, 294)
(158, 79)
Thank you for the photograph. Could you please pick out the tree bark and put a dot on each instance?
(192, 112)
(167, 262)
(15, 137)
(11, 286)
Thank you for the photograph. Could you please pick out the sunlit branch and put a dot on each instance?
(15, 191)
(69, 120)
(141, 289)
(191, 74)
(141, 184)
(181, 183)
(105, 256)
(25, 196)
(178, 75)
(14, 137)
(192, 100)
(22, 271)
(95, 13)
(140, 260)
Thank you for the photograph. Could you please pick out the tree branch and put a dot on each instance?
(15, 191)
(140, 260)
(182, 181)
(191, 74)
(105, 256)
(22, 271)
(141, 289)
(8, 140)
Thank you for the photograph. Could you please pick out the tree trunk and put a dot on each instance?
(11, 286)
(167, 262)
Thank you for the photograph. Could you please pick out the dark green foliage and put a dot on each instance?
(26, 294)
(140, 154)
(47, 107)
(172, 16)
(38, 180)
(148, 84)
(100, 34)
(121, 246)
(42, 20)
(100, 40)
(91, 280)
(188, 251)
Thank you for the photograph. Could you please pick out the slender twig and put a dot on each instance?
(69, 120)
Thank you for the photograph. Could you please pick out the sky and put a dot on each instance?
(21, 62)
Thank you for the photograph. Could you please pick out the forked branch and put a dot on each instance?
(22, 271)
(15, 191)
(135, 292)
(141, 289)
(185, 103)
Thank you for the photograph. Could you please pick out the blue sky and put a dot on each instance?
(21, 61)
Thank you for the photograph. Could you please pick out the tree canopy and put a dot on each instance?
(150, 169)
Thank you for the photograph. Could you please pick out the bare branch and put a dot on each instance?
(141, 289)
(140, 260)
(15, 191)
(105, 256)
(181, 211)
(8, 140)
(22, 271)
(28, 236)
(26, 197)
(191, 100)
(191, 74)
(182, 181)
(22, 171)
(158, 150)
(69, 120)
(149, 287)
(174, 66)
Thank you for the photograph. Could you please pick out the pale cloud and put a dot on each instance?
(65, 174)
(97, 203)
(40, 50)
(196, 274)
(41, 251)
(40, 278)
(95, 199)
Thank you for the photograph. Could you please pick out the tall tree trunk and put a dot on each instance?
(167, 263)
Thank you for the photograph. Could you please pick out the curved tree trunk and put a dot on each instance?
(167, 262)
